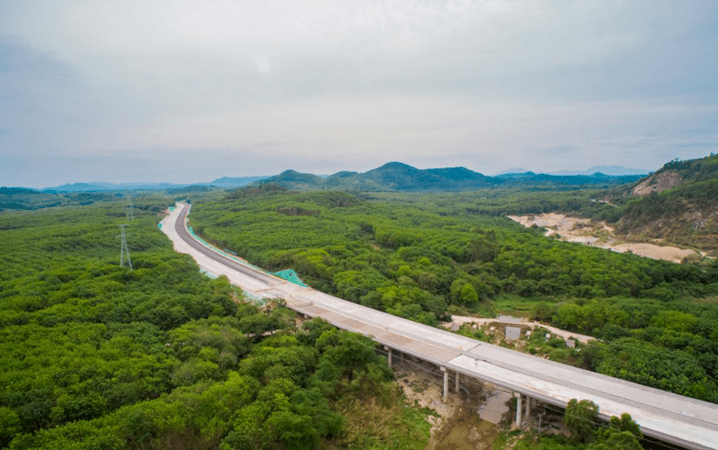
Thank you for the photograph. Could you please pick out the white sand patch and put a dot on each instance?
(653, 251)
(583, 231)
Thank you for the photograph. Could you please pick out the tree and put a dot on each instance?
(468, 295)
(579, 419)
(346, 350)
(626, 423)
(9, 425)
(617, 440)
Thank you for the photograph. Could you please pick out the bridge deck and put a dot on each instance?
(681, 420)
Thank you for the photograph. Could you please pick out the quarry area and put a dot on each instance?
(599, 234)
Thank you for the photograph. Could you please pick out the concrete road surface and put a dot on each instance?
(670, 417)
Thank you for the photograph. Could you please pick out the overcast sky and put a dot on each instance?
(189, 91)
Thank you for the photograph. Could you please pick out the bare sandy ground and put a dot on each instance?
(573, 229)
(460, 415)
(425, 387)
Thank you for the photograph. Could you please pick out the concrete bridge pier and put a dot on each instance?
(446, 382)
(527, 413)
(388, 355)
(518, 409)
(521, 415)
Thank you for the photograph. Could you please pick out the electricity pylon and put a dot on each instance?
(124, 251)
(130, 206)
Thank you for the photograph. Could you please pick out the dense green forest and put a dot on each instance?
(98, 356)
(14, 198)
(424, 257)
(93, 355)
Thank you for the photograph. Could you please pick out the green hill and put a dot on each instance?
(17, 198)
(678, 203)
(396, 176)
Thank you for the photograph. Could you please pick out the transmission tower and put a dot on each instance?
(124, 251)
(130, 206)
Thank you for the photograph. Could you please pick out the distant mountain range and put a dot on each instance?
(606, 170)
(224, 182)
(396, 176)
(393, 176)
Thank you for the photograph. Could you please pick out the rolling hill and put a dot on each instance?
(678, 203)
(396, 176)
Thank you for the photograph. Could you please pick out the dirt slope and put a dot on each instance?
(658, 183)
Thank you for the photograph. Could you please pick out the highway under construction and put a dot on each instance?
(662, 415)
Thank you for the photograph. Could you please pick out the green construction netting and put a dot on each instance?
(291, 276)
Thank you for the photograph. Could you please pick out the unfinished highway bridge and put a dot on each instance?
(662, 415)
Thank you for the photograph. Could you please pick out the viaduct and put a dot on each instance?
(672, 418)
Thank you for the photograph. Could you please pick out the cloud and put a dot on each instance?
(263, 67)
(358, 131)
(350, 84)
(555, 151)
(140, 40)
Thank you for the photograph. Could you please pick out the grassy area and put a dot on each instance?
(375, 426)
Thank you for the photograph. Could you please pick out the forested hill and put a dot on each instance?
(16, 198)
(396, 176)
(678, 203)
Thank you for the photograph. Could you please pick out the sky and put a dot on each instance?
(189, 91)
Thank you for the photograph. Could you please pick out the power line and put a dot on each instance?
(129, 213)
(124, 251)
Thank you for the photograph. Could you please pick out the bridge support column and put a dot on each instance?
(456, 384)
(518, 409)
(388, 355)
(528, 407)
(446, 382)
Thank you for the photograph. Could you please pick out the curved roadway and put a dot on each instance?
(669, 417)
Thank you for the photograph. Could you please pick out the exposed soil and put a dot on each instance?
(471, 419)
(423, 386)
(657, 183)
(459, 425)
(599, 234)
(481, 322)
(466, 431)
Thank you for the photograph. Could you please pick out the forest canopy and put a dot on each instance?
(95, 355)
(424, 257)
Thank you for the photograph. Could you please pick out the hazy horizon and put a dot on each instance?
(588, 171)
(138, 91)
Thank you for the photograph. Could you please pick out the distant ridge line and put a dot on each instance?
(392, 176)
(397, 176)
